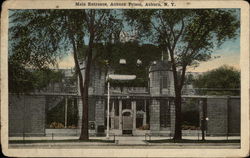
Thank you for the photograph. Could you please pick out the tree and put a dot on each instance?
(23, 80)
(20, 79)
(37, 44)
(188, 36)
(224, 80)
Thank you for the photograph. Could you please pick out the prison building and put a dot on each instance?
(133, 110)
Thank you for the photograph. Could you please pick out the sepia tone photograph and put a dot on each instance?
(130, 75)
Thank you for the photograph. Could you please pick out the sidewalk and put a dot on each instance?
(129, 141)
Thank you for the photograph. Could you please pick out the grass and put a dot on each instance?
(191, 141)
(60, 141)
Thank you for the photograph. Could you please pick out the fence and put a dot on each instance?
(197, 136)
(33, 114)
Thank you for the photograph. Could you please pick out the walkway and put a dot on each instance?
(130, 140)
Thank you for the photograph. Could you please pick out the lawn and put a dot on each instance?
(60, 141)
(191, 141)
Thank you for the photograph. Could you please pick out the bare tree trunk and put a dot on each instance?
(178, 120)
(84, 129)
(83, 87)
(85, 96)
(177, 100)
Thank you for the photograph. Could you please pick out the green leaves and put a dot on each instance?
(192, 32)
(224, 77)
(20, 79)
(39, 38)
(23, 80)
(33, 42)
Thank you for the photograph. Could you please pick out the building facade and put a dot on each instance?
(140, 110)
(133, 110)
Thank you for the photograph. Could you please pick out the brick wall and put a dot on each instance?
(26, 115)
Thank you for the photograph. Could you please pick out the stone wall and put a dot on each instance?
(96, 88)
(98, 82)
(224, 116)
(217, 115)
(234, 116)
(26, 115)
(92, 110)
(99, 113)
(172, 116)
(155, 116)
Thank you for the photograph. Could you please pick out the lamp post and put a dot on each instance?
(114, 77)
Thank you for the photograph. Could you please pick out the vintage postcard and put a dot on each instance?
(100, 78)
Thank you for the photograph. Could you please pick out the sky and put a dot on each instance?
(229, 54)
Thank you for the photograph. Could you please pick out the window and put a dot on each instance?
(164, 81)
(126, 104)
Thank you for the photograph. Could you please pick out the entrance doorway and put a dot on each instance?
(127, 122)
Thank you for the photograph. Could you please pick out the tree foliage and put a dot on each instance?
(20, 79)
(39, 37)
(224, 80)
(23, 80)
(188, 35)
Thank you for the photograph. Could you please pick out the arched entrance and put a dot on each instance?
(127, 121)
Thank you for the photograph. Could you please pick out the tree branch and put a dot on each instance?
(86, 18)
(99, 21)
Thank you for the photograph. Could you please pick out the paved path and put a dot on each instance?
(131, 140)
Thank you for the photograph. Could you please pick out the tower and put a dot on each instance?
(161, 90)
